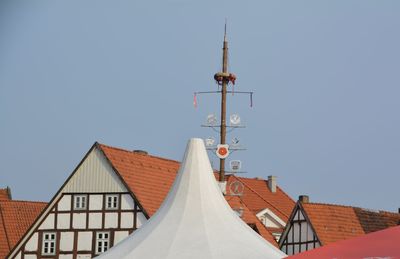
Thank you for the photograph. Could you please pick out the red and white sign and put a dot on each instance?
(222, 151)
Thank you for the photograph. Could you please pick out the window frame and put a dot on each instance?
(48, 241)
(75, 202)
(101, 241)
(115, 201)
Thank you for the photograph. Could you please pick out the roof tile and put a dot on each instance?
(15, 218)
(337, 222)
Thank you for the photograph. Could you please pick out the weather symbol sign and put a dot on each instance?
(235, 165)
(234, 119)
(235, 142)
(210, 141)
(222, 151)
(212, 120)
(236, 188)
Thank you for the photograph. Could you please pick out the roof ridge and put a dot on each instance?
(37, 202)
(132, 152)
(349, 206)
(260, 196)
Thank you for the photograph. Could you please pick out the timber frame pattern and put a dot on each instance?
(20, 252)
(299, 234)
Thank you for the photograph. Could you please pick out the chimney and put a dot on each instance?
(272, 183)
(9, 192)
(304, 199)
(142, 152)
(399, 210)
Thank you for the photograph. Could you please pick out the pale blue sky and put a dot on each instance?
(325, 75)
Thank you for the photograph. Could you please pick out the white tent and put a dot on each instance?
(194, 221)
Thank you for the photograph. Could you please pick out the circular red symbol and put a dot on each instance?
(223, 151)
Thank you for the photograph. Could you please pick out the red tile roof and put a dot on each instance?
(150, 178)
(336, 222)
(257, 196)
(15, 219)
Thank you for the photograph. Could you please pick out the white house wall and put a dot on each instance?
(76, 230)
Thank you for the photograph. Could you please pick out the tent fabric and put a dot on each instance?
(194, 221)
(384, 244)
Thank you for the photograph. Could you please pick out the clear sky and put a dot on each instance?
(325, 75)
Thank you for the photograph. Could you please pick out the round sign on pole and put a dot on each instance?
(236, 188)
(222, 151)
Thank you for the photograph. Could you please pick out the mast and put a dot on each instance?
(223, 105)
(222, 150)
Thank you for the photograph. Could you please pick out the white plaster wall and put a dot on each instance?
(95, 202)
(18, 256)
(301, 216)
(140, 220)
(30, 256)
(84, 241)
(296, 249)
(84, 257)
(63, 221)
(296, 229)
(65, 257)
(127, 202)
(48, 223)
(79, 221)
(95, 220)
(310, 234)
(289, 235)
(304, 231)
(66, 241)
(119, 236)
(126, 220)
(65, 203)
(111, 220)
(32, 244)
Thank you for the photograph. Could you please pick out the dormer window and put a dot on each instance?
(112, 202)
(80, 202)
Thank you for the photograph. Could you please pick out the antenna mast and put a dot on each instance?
(222, 150)
(225, 81)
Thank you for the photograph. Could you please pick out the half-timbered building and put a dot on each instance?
(112, 192)
(312, 225)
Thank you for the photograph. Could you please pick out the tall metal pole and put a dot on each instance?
(223, 106)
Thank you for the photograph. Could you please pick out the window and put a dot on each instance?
(80, 202)
(111, 202)
(102, 242)
(49, 244)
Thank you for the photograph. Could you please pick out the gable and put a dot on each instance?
(299, 234)
(270, 219)
(95, 174)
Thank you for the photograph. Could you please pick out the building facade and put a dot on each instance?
(112, 192)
